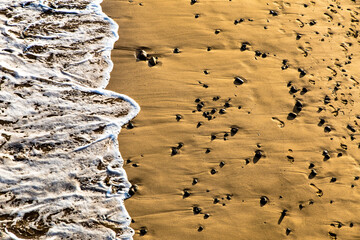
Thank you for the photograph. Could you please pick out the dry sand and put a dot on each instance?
(307, 51)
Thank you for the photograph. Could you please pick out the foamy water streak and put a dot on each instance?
(61, 174)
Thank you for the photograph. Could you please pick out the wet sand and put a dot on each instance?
(263, 98)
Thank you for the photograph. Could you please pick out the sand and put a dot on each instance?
(281, 160)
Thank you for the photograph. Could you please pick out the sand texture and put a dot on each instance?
(259, 104)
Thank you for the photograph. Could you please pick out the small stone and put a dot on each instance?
(257, 53)
(293, 89)
(222, 164)
(258, 154)
(193, 2)
(143, 231)
(238, 81)
(288, 231)
(311, 165)
(351, 128)
(213, 171)
(298, 36)
(291, 116)
(312, 174)
(153, 61)
(174, 151)
(333, 179)
(142, 55)
(217, 31)
(302, 72)
(200, 228)
(327, 129)
(234, 130)
(264, 55)
(216, 200)
(176, 50)
(178, 117)
(263, 201)
(298, 105)
(196, 210)
(130, 125)
(222, 111)
(206, 216)
(186, 194)
(195, 181)
(274, 13)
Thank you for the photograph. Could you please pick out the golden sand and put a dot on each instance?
(285, 52)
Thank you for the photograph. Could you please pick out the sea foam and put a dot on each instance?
(61, 174)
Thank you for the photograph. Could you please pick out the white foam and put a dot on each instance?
(61, 172)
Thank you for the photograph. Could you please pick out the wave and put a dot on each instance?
(61, 172)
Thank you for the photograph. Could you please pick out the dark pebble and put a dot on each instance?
(257, 53)
(216, 98)
(291, 116)
(178, 117)
(153, 61)
(312, 174)
(303, 91)
(264, 55)
(238, 81)
(302, 72)
(301, 206)
(216, 200)
(298, 36)
(195, 181)
(222, 111)
(351, 128)
(208, 150)
(199, 124)
(186, 194)
(213, 137)
(180, 145)
(200, 228)
(222, 164)
(176, 50)
(217, 31)
(298, 105)
(206, 216)
(197, 15)
(196, 210)
(193, 2)
(333, 179)
(227, 104)
(228, 197)
(327, 129)
(258, 154)
(311, 165)
(213, 171)
(293, 89)
(243, 47)
(322, 121)
(143, 231)
(288, 231)
(263, 201)
(130, 125)
(234, 130)
(141, 55)
(274, 13)
(312, 23)
(327, 99)
(174, 151)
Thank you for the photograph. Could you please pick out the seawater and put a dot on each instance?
(61, 174)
